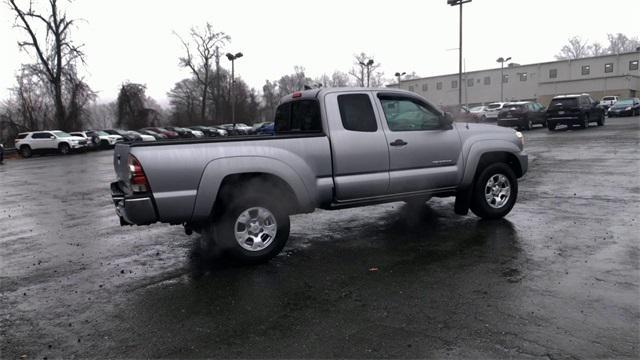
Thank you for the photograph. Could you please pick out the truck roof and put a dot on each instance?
(314, 93)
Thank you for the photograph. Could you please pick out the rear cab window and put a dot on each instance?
(298, 117)
(564, 102)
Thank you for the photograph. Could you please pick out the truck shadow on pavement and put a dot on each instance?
(423, 233)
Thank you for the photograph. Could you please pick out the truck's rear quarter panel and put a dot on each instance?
(175, 171)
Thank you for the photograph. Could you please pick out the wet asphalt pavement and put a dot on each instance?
(558, 278)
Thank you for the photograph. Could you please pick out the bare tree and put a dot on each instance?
(362, 71)
(205, 44)
(576, 49)
(270, 99)
(620, 43)
(597, 49)
(48, 36)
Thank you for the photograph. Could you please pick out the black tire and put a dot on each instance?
(483, 118)
(601, 120)
(25, 151)
(480, 205)
(104, 144)
(221, 233)
(528, 124)
(585, 121)
(64, 148)
(551, 125)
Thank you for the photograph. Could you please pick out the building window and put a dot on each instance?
(454, 84)
(523, 76)
(608, 67)
(586, 69)
(411, 88)
(425, 87)
(505, 79)
(487, 80)
(469, 82)
(633, 65)
(553, 73)
(439, 85)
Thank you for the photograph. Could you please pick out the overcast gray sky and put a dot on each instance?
(133, 40)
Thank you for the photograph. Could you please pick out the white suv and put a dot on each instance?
(493, 109)
(48, 141)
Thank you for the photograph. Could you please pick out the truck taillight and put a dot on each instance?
(137, 178)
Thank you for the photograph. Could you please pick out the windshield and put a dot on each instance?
(494, 106)
(61, 134)
(624, 103)
(101, 133)
(564, 102)
(477, 109)
(607, 98)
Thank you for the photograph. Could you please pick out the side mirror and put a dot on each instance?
(447, 120)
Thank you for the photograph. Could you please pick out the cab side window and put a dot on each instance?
(407, 114)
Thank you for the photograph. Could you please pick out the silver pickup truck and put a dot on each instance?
(333, 148)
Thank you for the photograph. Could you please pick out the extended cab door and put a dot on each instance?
(423, 148)
(359, 146)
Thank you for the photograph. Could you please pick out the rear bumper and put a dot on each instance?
(564, 120)
(512, 122)
(133, 210)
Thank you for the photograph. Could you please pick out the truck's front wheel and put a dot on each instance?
(251, 229)
(494, 192)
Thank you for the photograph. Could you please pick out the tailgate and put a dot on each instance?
(120, 162)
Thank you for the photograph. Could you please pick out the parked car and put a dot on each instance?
(167, 133)
(332, 149)
(92, 141)
(570, 110)
(30, 143)
(480, 112)
(608, 101)
(630, 107)
(493, 110)
(140, 137)
(106, 140)
(98, 139)
(184, 132)
(220, 131)
(237, 129)
(266, 128)
(205, 130)
(461, 114)
(156, 135)
(126, 135)
(522, 115)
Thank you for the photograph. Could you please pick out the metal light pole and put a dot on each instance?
(232, 90)
(454, 3)
(502, 60)
(368, 65)
(399, 75)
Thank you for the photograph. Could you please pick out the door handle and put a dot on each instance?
(398, 142)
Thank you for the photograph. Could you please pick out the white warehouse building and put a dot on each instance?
(599, 76)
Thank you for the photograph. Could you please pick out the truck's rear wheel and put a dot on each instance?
(494, 192)
(251, 229)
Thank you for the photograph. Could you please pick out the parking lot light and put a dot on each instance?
(502, 60)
